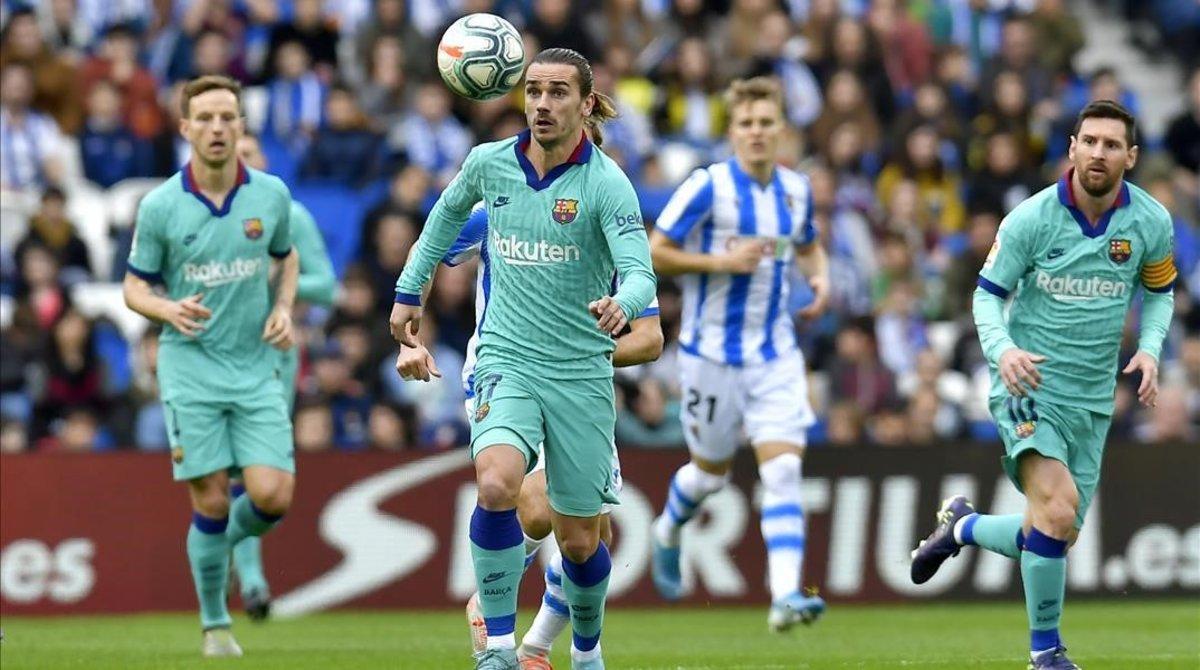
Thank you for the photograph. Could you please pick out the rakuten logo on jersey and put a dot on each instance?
(1068, 287)
(523, 252)
(217, 273)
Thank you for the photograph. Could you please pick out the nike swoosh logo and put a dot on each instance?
(1049, 603)
(377, 547)
(493, 577)
(500, 202)
(1055, 253)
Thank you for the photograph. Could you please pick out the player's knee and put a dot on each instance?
(579, 547)
(1057, 513)
(277, 499)
(781, 474)
(533, 511)
(497, 491)
(212, 503)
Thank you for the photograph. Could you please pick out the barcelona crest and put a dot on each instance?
(253, 228)
(177, 455)
(565, 210)
(1025, 429)
(482, 412)
(1119, 250)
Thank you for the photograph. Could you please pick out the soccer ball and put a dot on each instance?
(481, 56)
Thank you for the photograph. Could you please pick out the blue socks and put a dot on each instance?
(586, 586)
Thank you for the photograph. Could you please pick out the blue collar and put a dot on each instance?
(1067, 198)
(740, 175)
(189, 185)
(581, 155)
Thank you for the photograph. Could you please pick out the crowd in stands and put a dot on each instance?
(921, 123)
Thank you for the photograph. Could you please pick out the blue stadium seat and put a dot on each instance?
(338, 211)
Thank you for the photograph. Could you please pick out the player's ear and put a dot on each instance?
(183, 126)
(1071, 150)
(1131, 157)
(589, 103)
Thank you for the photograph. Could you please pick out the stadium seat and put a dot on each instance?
(87, 208)
(338, 211)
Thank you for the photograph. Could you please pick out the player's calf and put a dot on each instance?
(689, 486)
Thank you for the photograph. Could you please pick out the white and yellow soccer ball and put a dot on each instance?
(481, 56)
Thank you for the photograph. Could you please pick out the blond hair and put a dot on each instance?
(209, 82)
(752, 90)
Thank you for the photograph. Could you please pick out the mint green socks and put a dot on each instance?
(208, 554)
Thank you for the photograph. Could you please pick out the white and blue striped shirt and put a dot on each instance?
(739, 319)
(472, 241)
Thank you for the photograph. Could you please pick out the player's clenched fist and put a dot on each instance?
(406, 323)
(743, 259)
(278, 330)
(416, 363)
(609, 316)
(1018, 370)
(186, 314)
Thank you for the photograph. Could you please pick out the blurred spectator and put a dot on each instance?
(1018, 53)
(110, 151)
(14, 439)
(931, 107)
(955, 76)
(18, 371)
(212, 53)
(557, 23)
(854, 48)
(345, 151)
(1005, 180)
(33, 145)
(78, 431)
(150, 423)
(438, 402)
(855, 373)
(382, 94)
(1183, 140)
(691, 108)
(388, 20)
(169, 53)
(309, 29)
(430, 136)
(846, 102)
(653, 419)
(54, 83)
(313, 426)
(389, 429)
(410, 193)
(776, 52)
(888, 426)
(1187, 235)
(949, 389)
(39, 288)
(900, 327)
(453, 298)
(630, 135)
(938, 187)
(846, 236)
(963, 273)
(346, 397)
(845, 424)
(116, 60)
(51, 230)
(74, 375)
(1059, 36)
(394, 235)
(295, 98)
(623, 23)
(906, 48)
(855, 183)
(65, 30)
(1008, 111)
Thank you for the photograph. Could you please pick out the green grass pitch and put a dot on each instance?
(1111, 635)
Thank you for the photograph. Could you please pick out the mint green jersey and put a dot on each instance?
(317, 282)
(1071, 284)
(191, 245)
(552, 247)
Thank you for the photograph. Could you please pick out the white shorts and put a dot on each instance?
(617, 481)
(768, 401)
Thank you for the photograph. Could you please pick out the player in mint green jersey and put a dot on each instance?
(561, 218)
(209, 234)
(1071, 258)
(316, 285)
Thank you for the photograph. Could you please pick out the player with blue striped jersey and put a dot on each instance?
(732, 232)
(641, 343)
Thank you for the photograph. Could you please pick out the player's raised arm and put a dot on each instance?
(621, 220)
(1001, 271)
(443, 226)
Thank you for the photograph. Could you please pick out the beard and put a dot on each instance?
(1097, 186)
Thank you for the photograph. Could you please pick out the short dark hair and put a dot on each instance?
(211, 82)
(1108, 109)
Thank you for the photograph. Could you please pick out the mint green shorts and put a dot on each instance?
(573, 419)
(1071, 435)
(208, 436)
(289, 367)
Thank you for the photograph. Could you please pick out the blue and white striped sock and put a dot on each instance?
(782, 523)
(554, 614)
(689, 487)
(531, 549)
